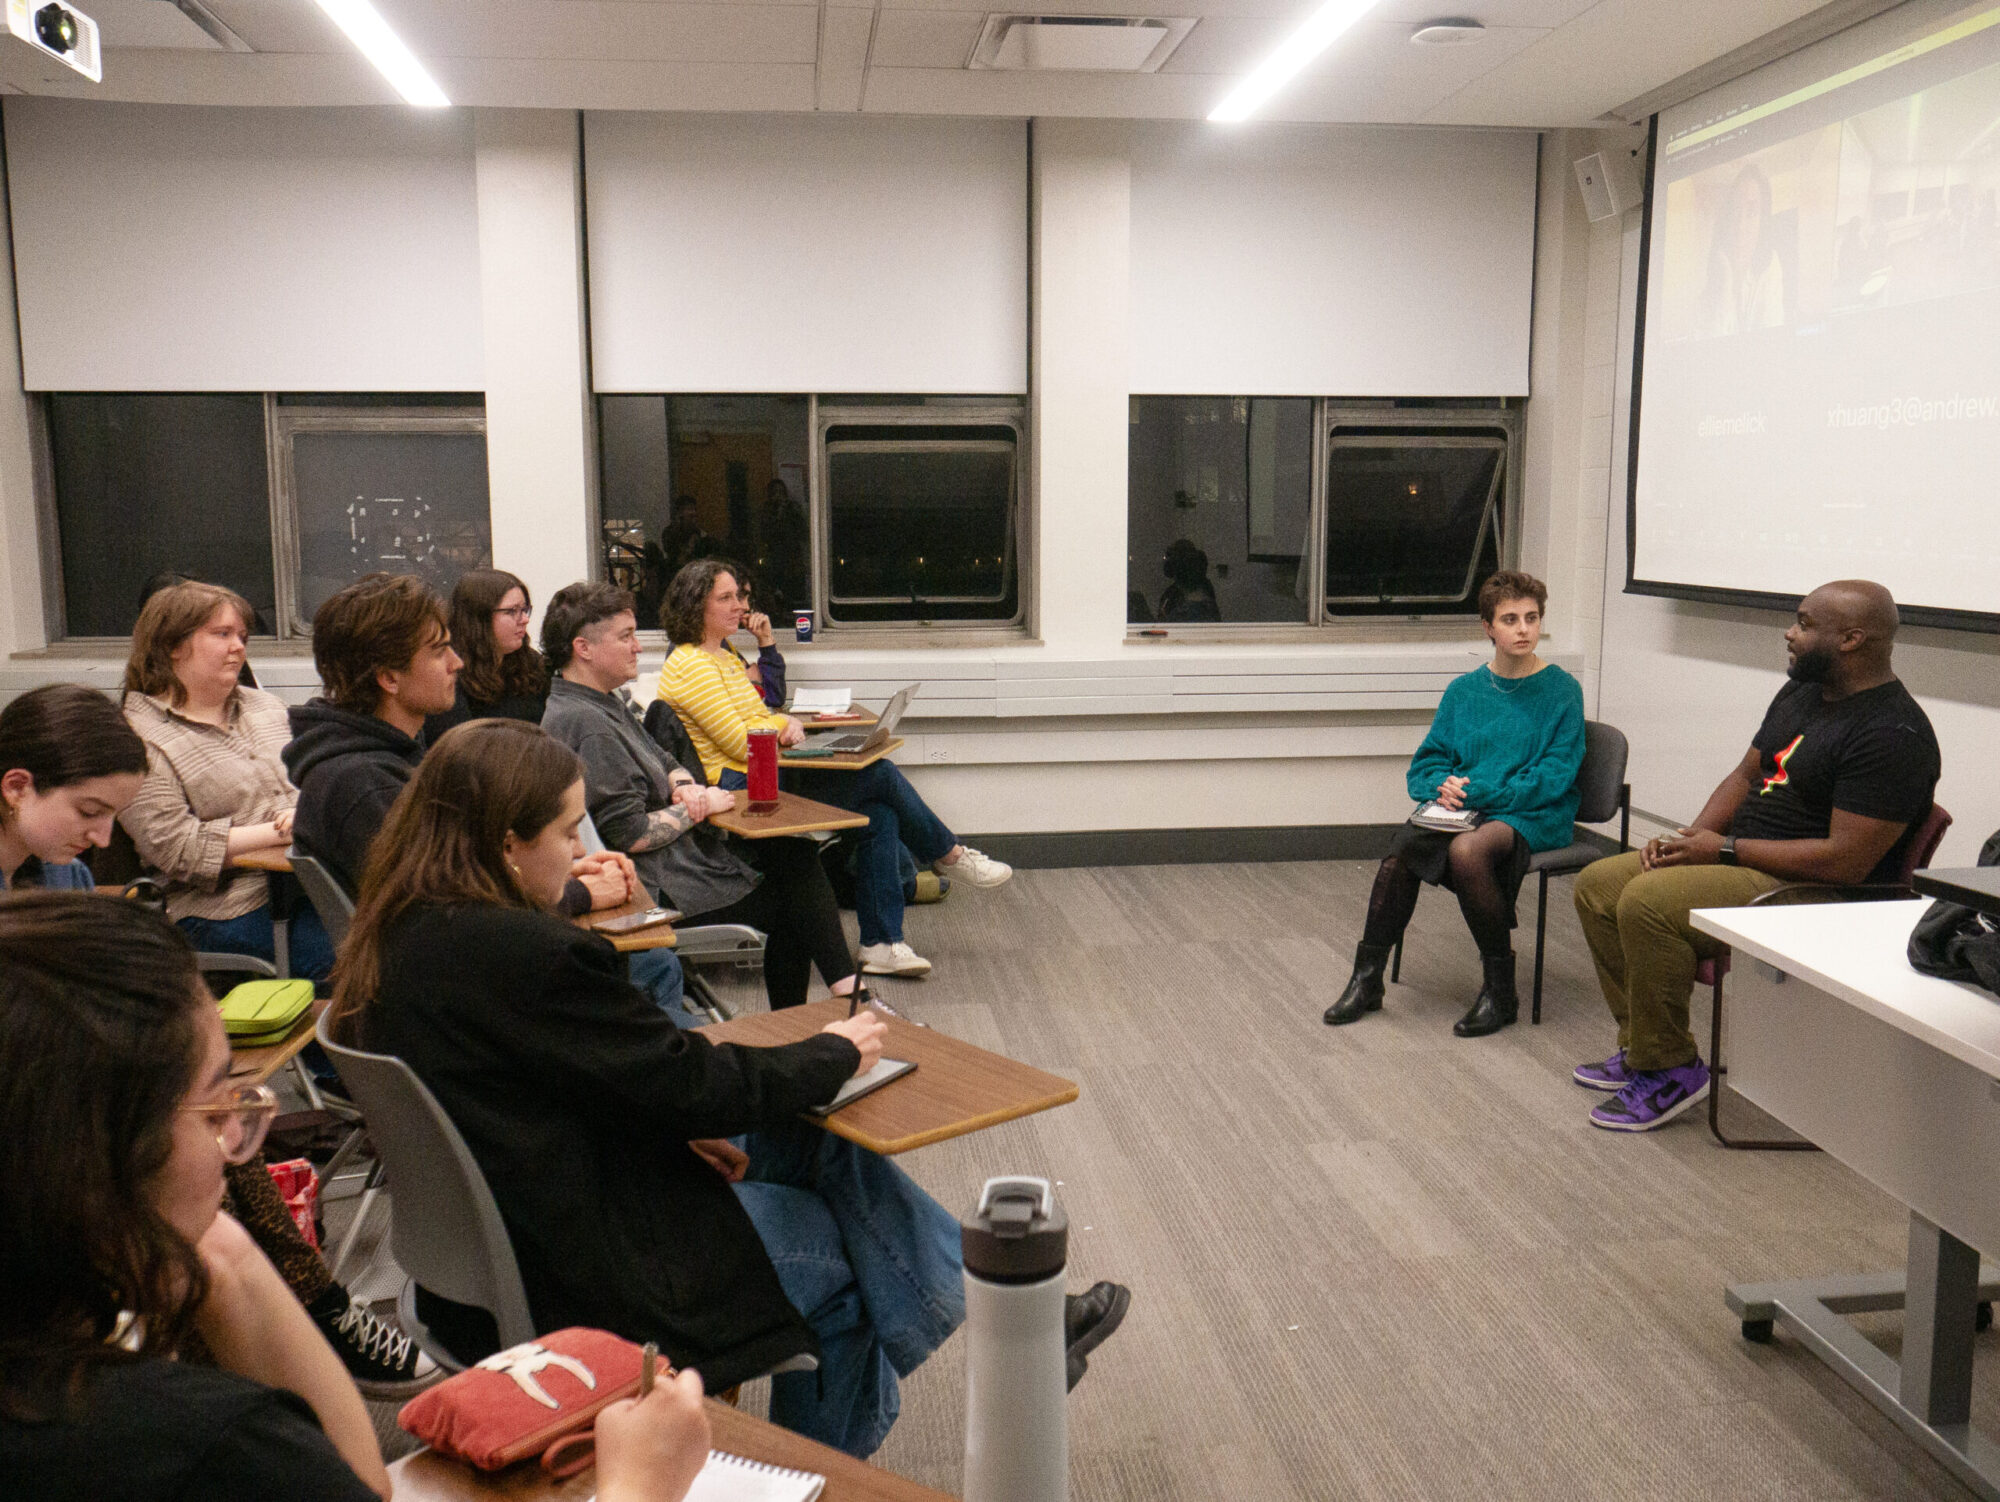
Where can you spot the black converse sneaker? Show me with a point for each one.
(382, 1360)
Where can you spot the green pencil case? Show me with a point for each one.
(263, 1011)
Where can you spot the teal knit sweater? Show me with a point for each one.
(1519, 740)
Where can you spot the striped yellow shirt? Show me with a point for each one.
(717, 703)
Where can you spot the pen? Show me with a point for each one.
(649, 1357)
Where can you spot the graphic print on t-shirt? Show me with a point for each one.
(1780, 777)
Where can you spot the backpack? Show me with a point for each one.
(1955, 942)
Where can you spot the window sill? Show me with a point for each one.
(1376, 631)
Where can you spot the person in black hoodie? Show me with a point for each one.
(601, 1128)
(385, 658)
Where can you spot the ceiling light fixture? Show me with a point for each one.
(393, 59)
(1320, 31)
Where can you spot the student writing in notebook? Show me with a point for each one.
(1505, 746)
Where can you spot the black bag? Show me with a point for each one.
(1955, 942)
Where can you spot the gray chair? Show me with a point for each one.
(704, 944)
(447, 1233)
(328, 897)
(1603, 795)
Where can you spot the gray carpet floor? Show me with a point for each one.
(1381, 1261)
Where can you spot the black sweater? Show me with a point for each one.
(578, 1098)
(348, 769)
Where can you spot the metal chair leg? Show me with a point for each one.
(1541, 932)
(1716, 1072)
(1396, 962)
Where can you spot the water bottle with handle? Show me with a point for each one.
(1016, 1246)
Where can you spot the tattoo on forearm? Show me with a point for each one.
(663, 827)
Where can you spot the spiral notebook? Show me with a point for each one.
(731, 1478)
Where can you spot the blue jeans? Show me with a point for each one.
(311, 949)
(897, 816)
(658, 973)
(869, 1259)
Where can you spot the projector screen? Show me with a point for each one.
(1818, 388)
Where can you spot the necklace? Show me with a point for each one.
(1501, 683)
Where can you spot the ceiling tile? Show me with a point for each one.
(281, 25)
(925, 38)
(613, 30)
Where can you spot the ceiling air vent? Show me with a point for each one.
(1091, 44)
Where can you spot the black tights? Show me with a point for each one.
(795, 908)
(1477, 858)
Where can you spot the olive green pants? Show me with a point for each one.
(1636, 923)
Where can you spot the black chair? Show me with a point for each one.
(1603, 794)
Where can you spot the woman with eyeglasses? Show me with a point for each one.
(504, 677)
(115, 1131)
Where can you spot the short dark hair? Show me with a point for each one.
(1510, 584)
(379, 621)
(573, 611)
(63, 733)
(684, 607)
(99, 1044)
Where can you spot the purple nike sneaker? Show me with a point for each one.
(1654, 1098)
(1611, 1075)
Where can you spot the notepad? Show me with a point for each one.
(822, 700)
(884, 1071)
(731, 1478)
(1448, 820)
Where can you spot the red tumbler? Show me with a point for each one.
(763, 773)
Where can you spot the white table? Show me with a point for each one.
(1897, 1075)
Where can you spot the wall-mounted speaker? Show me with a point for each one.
(1610, 184)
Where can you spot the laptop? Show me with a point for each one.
(861, 742)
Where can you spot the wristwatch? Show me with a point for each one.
(1726, 856)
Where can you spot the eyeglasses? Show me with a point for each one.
(519, 612)
(239, 1120)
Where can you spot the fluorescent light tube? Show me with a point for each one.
(372, 37)
(1290, 58)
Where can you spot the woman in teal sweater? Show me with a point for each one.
(1506, 745)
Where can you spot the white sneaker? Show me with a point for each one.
(893, 959)
(975, 869)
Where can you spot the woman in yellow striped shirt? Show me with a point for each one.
(707, 686)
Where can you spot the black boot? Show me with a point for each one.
(1364, 987)
(1497, 1006)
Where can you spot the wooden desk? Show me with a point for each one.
(255, 1066)
(660, 936)
(1892, 1072)
(793, 815)
(842, 763)
(428, 1477)
(856, 718)
(955, 1089)
(262, 860)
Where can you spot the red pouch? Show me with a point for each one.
(298, 1182)
(540, 1398)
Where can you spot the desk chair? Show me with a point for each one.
(704, 944)
(1603, 795)
(446, 1233)
(1711, 972)
(328, 897)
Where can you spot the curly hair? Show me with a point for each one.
(99, 1045)
(1510, 584)
(684, 610)
(487, 677)
(169, 618)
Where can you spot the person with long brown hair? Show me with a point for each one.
(215, 789)
(68, 764)
(115, 1130)
(504, 677)
(601, 1127)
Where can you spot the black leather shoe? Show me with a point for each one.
(1089, 1318)
(1365, 987)
(1497, 1006)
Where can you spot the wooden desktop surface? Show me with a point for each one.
(254, 1066)
(429, 1477)
(856, 718)
(955, 1089)
(842, 763)
(793, 815)
(659, 936)
(272, 859)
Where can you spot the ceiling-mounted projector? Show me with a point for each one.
(61, 31)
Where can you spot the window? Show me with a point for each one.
(871, 511)
(283, 499)
(1264, 510)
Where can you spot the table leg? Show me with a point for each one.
(1943, 1292)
